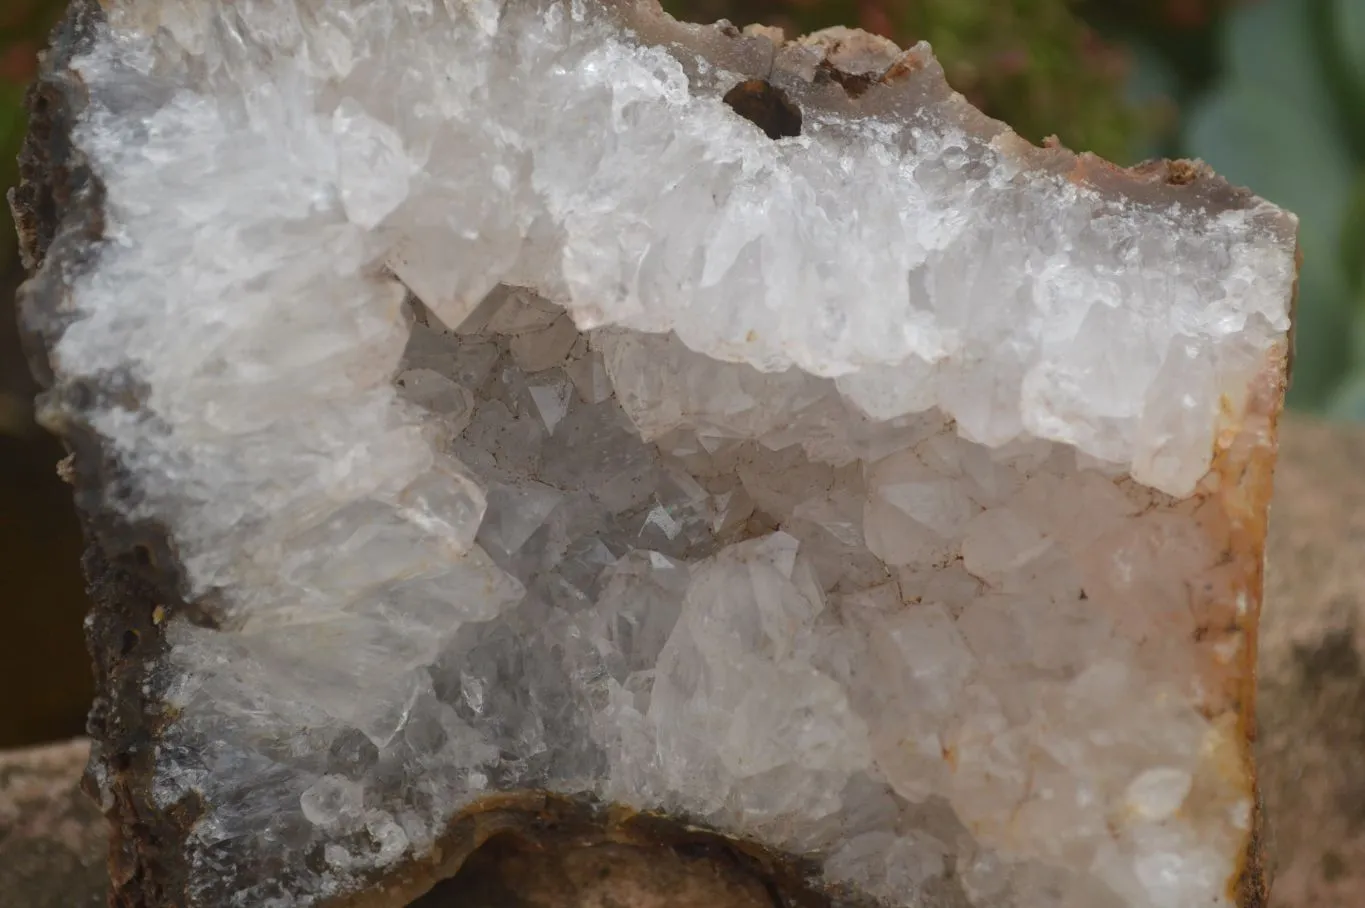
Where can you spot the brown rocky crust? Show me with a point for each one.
(128, 570)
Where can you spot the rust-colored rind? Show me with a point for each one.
(1242, 477)
(1256, 448)
(1252, 889)
(133, 576)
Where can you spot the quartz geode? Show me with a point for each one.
(544, 408)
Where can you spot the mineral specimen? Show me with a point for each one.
(546, 400)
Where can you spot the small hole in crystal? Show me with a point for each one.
(80, 395)
(130, 639)
(766, 106)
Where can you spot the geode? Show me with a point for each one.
(543, 419)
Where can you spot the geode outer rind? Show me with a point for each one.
(134, 576)
(58, 210)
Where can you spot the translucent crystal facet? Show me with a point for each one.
(528, 419)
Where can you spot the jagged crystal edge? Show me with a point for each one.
(919, 264)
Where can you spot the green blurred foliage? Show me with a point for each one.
(1269, 92)
(1031, 62)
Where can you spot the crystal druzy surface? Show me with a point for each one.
(527, 418)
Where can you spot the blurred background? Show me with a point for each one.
(1269, 92)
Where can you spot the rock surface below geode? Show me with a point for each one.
(52, 837)
(494, 404)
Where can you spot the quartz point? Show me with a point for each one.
(518, 419)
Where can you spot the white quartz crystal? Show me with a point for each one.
(529, 419)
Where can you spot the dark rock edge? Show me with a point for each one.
(134, 578)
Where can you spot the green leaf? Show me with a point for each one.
(1348, 24)
(1358, 329)
(1322, 338)
(1352, 250)
(1271, 45)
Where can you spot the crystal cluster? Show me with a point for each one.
(528, 419)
